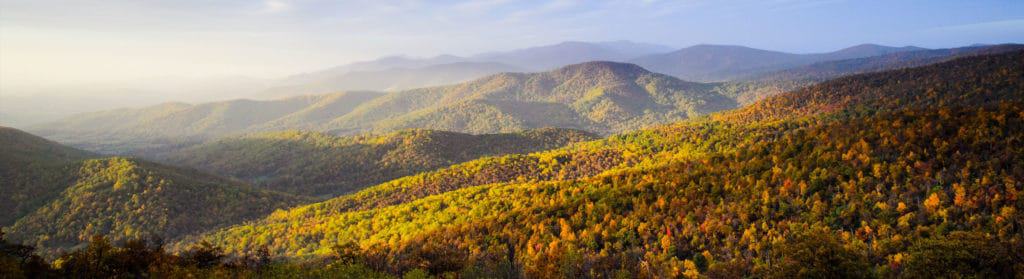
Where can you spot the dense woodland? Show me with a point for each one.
(910, 173)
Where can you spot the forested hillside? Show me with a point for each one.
(124, 198)
(33, 171)
(316, 164)
(899, 173)
(54, 196)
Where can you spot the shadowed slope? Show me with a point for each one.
(33, 171)
(314, 164)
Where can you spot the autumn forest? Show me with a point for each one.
(573, 160)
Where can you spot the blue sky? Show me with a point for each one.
(44, 40)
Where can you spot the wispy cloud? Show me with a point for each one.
(276, 6)
(786, 5)
(548, 8)
(560, 5)
(479, 6)
(1014, 25)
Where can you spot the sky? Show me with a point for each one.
(46, 42)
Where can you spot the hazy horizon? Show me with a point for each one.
(62, 57)
(50, 42)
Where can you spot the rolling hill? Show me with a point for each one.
(872, 170)
(57, 197)
(315, 164)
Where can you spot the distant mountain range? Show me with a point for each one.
(390, 79)
(399, 72)
(703, 63)
(723, 62)
(539, 58)
(544, 58)
(758, 86)
(602, 97)
(831, 68)
(22, 107)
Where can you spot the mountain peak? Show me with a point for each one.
(604, 65)
(881, 47)
(603, 68)
(575, 43)
(867, 45)
(446, 56)
(719, 47)
(867, 50)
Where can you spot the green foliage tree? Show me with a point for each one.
(962, 255)
(818, 253)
